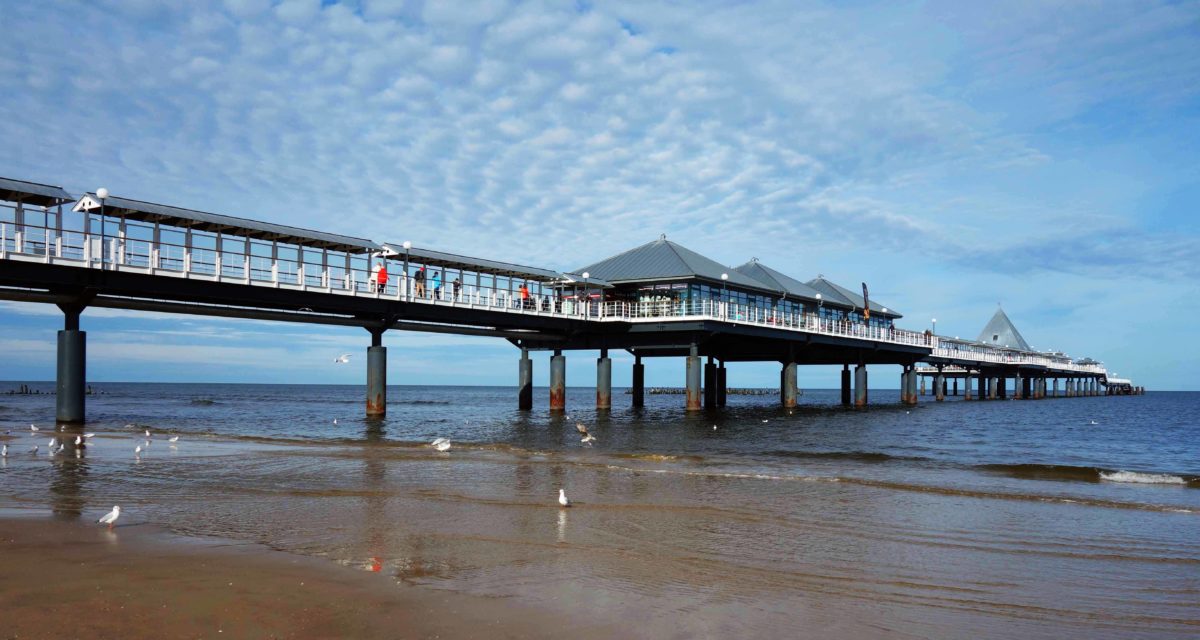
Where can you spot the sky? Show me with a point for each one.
(955, 156)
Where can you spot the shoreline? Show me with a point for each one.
(69, 578)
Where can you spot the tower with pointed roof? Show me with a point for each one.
(1001, 332)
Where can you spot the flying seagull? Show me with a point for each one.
(441, 444)
(342, 359)
(110, 517)
(562, 498)
(587, 437)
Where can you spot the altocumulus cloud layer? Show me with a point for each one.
(981, 147)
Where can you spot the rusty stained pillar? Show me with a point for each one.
(860, 385)
(693, 401)
(376, 375)
(939, 386)
(787, 385)
(558, 381)
(967, 386)
(604, 381)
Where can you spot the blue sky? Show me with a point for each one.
(953, 155)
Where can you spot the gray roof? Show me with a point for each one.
(42, 195)
(1001, 332)
(454, 261)
(663, 260)
(179, 217)
(780, 282)
(832, 290)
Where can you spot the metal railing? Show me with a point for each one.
(341, 276)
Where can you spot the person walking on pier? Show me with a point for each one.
(524, 296)
(419, 280)
(437, 285)
(381, 277)
(457, 285)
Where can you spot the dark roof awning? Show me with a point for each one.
(786, 284)
(42, 195)
(214, 222)
(832, 289)
(663, 261)
(446, 260)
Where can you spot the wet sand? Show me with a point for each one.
(68, 579)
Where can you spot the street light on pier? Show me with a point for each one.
(724, 290)
(407, 244)
(102, 194)
(934, 326)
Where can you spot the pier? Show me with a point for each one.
(657, 300)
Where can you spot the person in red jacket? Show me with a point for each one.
(380, 277)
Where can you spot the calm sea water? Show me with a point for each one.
(1062, 517)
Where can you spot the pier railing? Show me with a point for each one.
(148, 249)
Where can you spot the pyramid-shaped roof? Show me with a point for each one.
(665, 260)
(782, 283)
(1001, 332)
(834, 291)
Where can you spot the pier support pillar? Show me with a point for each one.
(639, 382)
(860, 385)
(993, 388)
(603, 381)
(787, 385)
(955, 386)
(1070, 387)
(983, 387)
(1020, 387)
(722, 390)
(939, 388)
(71, 383)
(1056, 387)
(376, 375)
(558, 381)
(922, 386)
(692, 378)
(1002, 381)
(710, 384)
(525, 382)
(845, 385)
(967, 387)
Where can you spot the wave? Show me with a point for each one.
(1144, 478)
(861, 456)
(1088, 474)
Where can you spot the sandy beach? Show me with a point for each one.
(71, 579)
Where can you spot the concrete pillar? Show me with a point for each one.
(1002, 381)
(1020, 387)
(721, 388)
(558, 381)
(787, 388)
(525, 382)
(71, 382)
(955, 386)
(912, 384)
(922, 386)
(845, 385)
(1056, 387)
(967, 387)
(603, 381)
(1070, 385)
(860, 385)
(639, 382)
(692, 375)
(376, 375)
(939, 388)
(993, 388)
(710, 384)
(983, 386)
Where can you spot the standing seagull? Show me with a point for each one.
(587, 437)
(562, 498)
(137, 451)
(173, 439)
(78, 441)
(33, 428)
(110, 517)
(342, 359)
(4, 452)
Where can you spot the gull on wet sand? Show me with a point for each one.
(137, 451)
(34, 450)
(173, 439)
(110, 517)
(33, 427)
(562, 498)
(4, 452)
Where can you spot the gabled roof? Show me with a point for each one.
(192, 219)
(42, 195)
(663, 260)
(444, 259)
(782, 283)
(832, 290)
(1001, 332)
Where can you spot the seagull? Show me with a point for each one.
(110, 517)
(441, 444)
(79, 441)
(137, 451)
(714, 427)
(33, 427)
(335, 420)
(53, 443)
(342, 359)
(765, 421)
(34, 450)
(173, 439)
(562, 498)
(147, 433)
(587, 437)
(4, 452)
(60, 448)
(1093, 422)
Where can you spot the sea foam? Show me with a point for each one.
(1142, 478)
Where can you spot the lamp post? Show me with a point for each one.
(407, 244)
(587, 298)
(934, 326)
(725, 294)
(102, 194)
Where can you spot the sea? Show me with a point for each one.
(1054, 518)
